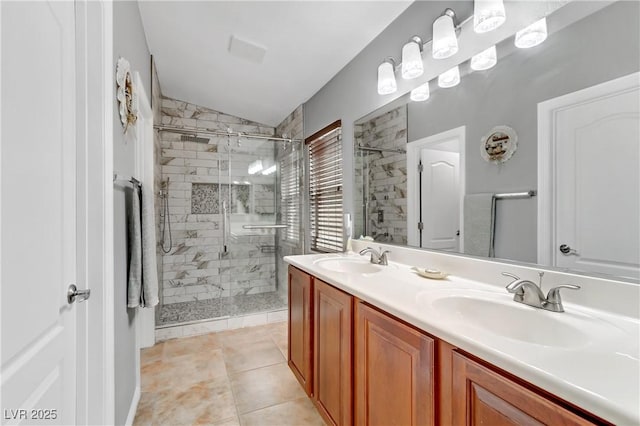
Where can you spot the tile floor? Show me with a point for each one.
(236, 377)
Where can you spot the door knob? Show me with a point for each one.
(74, 294)
(566, 250)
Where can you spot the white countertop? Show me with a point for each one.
(600, 375)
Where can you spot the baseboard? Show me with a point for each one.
(134, 407)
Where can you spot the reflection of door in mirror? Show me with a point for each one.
(435, 187)
(594, 135)
(439, 193)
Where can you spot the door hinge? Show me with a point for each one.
(420, 226)
(420, 167)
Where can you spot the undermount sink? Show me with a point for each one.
(499, 315)
(349, 265)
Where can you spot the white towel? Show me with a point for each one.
(479, 224)
(143, 275)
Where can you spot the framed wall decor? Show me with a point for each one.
(499, 144)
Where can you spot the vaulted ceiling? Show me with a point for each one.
(282, 51)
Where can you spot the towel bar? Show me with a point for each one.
(264, 226)
(514, 195)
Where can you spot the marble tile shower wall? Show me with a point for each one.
(292, 126)
(386, 174)
(197, 268)
(156, 106)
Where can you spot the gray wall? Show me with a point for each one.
(352, 93)
(129, 42)
(571, 59)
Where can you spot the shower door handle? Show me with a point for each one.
(224, 229)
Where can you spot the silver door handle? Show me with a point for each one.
(74, 294)
(566, 250)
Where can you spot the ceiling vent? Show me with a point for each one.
(246, 50)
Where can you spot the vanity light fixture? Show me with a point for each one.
(449, 78)
(532, 35)
(412, 59)
(485, 59)
(488, 15)
(255, 167)
(445, 41)
(386, 77)
(420, 93)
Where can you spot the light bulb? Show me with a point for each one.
(386, 78)
(533, 35)
(255, 167)
(449, 78)
(269, 170)
(420, 93)
(488, 15)
(445, 42)
(412, 59)
(485, 59)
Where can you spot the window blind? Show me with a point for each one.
(290, 196)
(325, 190)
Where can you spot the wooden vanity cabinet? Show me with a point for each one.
(394, 371)
(332, 360)
(363, 366)
(300, 327)
(482, 396)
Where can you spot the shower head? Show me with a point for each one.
(188, 138)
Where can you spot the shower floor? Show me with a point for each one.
(176, 313)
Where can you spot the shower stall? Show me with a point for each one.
(230, 207)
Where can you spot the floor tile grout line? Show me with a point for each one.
(233, 393)
(256, 368)
(275, 405)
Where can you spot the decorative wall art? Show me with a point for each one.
(125, 94)
(499, 144)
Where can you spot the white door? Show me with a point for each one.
(443, 179)
(440, 199)
(38, 219)
(597, 206)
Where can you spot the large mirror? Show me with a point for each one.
(461, 171)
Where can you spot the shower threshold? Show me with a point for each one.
(184, 313)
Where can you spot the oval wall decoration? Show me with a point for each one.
(499, 144)
(125, 94)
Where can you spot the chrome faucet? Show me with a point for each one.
(529, 293)
(376, 257)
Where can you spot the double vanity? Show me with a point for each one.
(379, 344)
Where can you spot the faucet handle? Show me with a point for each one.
(554, 294)
(507, 274)
(554, 301)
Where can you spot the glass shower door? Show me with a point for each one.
(248, 195)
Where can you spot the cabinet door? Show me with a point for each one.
(483, 397)
(300, 327)
(332, 353)
(393, 371)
